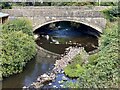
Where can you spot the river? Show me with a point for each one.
(55, 41)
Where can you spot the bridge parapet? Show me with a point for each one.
(44, 15)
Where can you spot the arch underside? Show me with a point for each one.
(98, 29)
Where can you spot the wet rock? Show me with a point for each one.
(48, 56)
(64, 78)
(44, 76)
(61, 85)
(54, 86)
(38, 79)
(50, 84)
(70, 41)
(62, 71)
(60, 81)
(60, 64)
(24, 87)
(62, 55)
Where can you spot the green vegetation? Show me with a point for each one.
(18, 46)
(74, 70)
(102, 69)
(5, 5)
(112, 14)
(8, 5)
(0, 53)
(69, 3)
(22, 24)
(76, 67)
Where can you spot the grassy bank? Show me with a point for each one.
(102, 69)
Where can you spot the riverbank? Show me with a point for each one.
(59, 65)
(102, 69)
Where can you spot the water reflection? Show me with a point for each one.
(57, 43)
(33, 69)
(57, 36)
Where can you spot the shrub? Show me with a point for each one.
(109, 3)
(5, 5)
(22, 24)
(104, 73)
(75, 68)
(93, 58)
(112, 13)
(17, 49)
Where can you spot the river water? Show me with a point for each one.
(55, 41)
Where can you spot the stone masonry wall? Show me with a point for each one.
(46, 14)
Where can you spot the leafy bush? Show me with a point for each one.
(93, 58)
(75, 68)
(17, 49)
(108, 3)
(112, 14)
(18, 46)
(105, 72)
(22, 24)
(5, 5)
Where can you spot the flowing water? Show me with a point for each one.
(40, 64)
(55, 41)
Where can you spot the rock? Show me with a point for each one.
(62, 71)
(48, 56)
(36, 36)
(70, 41)
(24, 87)
(44, 76)
(64, 78)
(50, 84)
(38, 79)
(60, 64)
(60, 81)
(61, 85)
(62, 55)
(57, 43)
(74, 43)
(54, 86)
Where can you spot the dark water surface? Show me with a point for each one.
(57, 41)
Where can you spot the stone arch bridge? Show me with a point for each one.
(43, 15)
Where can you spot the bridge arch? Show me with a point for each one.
(76, 21)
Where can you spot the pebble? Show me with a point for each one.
(24, 87)
(44, 76)
(38, 79)
(61, 85)
(50, 83)
(64, 78)
(48, 56)
(60, 81)
(54, 86)
(62, 71)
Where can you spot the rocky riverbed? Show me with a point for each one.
(59, 65)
